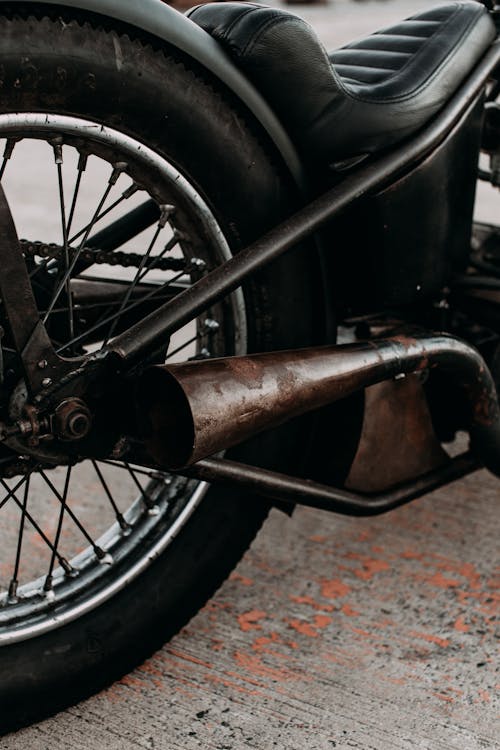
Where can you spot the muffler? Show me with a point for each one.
(193, 410)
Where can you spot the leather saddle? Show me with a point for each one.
(364, 97)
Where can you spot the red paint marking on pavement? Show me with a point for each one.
(310, 601)
(241, 579)
(334, 588)
(443, 697)
(359, 631)
(230, 684)
(364, 536)
(484, 696)
(310, 629)
(460, 625)
(410, 554)
(156, 675)
(347, 610)
(244, 678)
(254, 664)
(115, 694)
(441, 582)
(273, 637)
(387, 623)
(263, 642)
(187, 657)
(321, 621)
(442, 642)
(304, 628)
(134, 683)
(250, 620)
(370, 567)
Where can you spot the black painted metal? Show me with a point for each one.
(126, 228)
(167, 24)
(40, 362)
(295, 491)
(156, 328)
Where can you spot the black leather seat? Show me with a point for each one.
(364, 97)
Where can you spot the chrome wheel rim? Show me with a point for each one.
(162, 504)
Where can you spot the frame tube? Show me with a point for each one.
(153, 331)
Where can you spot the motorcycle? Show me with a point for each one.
(256, 281)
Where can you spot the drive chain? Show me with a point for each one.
(50, 251)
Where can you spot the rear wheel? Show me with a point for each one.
(103, 561)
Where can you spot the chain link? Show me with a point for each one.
(110, 257)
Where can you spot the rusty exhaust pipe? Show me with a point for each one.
(199, 408)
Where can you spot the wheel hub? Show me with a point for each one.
(72, 420)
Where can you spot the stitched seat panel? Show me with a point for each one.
(355, 74)
(364, 97)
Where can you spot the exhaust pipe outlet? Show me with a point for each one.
(195, 409)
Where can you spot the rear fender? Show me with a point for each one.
(160, 20)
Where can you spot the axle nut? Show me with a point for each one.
(72, 419)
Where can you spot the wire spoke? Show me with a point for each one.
(137, 278)
(173, 241)
(99, 216)
(62, 206)
(156, 475)
(185, 345)
(76, 255)
(49, 578)
(14, 581)
(209, 328)
(100, 554)
(119, 517)
(148, 501)
(11, 493)
(120, 313)
(9, 148)
(82, 166)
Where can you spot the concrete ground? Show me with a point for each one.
(332, 633)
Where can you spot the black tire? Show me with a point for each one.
(69, 66)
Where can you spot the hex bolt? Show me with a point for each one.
(197, 264)
(210, 325)
(46, 382)
(72, 420)
(43, 364)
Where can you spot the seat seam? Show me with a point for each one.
(358, 97)
(424, 84)
(400, 97)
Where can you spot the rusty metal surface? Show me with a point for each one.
(397, 438)
(196, 409)
(291, 490)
